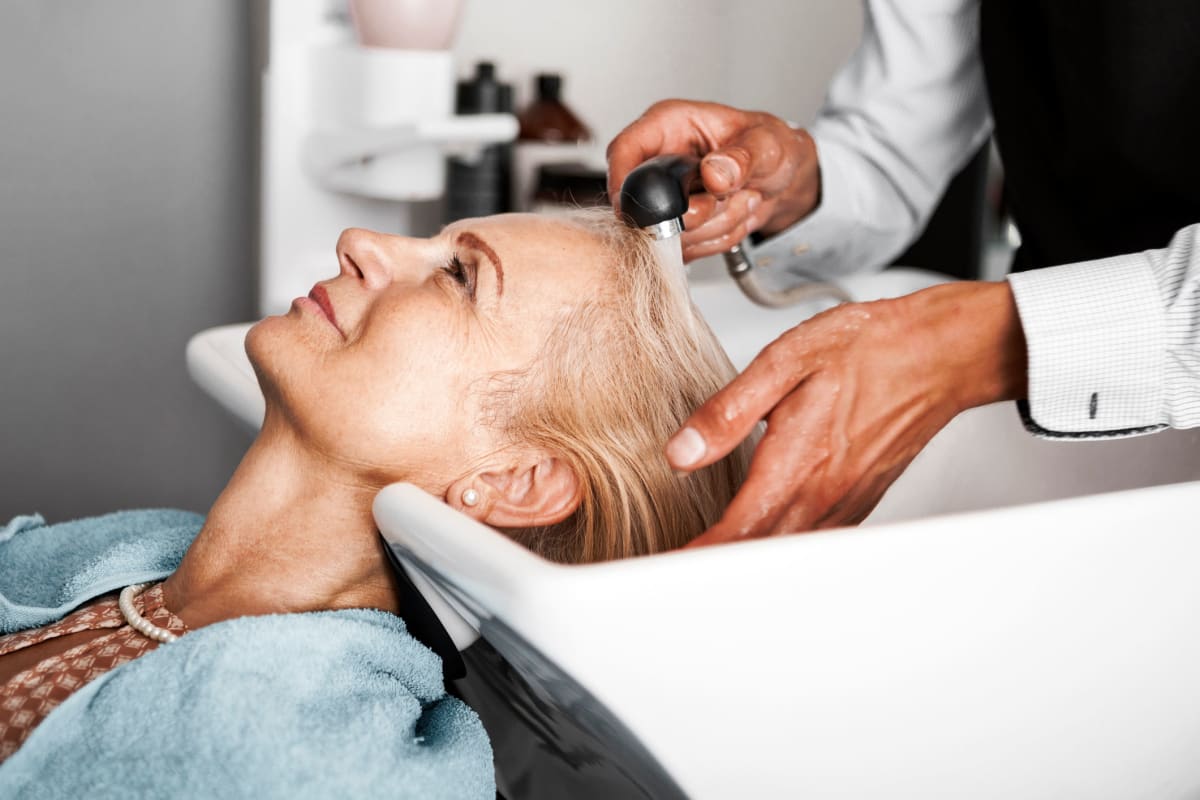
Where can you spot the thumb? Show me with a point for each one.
(724, 171)
(729, 416)
(713, 430)
(760, 157)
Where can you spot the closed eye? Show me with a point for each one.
(463, 276)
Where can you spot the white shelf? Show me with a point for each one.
(351, 137)
(394, 162)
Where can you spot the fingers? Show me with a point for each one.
(732, 221)
(775, 485)
(701, 208)
(801, 514)
(729, 416)
(751, 176)
(784, 482)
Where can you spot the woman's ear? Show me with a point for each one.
(529, 493)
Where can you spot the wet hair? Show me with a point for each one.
(617, 377)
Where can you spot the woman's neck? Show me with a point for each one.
(290, 532)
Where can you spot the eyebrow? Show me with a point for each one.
(468, 239)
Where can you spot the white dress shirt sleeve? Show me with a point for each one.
(1114, 344)
(901, 119)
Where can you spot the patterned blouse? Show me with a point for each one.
(29, 696)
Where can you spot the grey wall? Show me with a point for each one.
(126, 225)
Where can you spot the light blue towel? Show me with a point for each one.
(327, 704)
(48, 570)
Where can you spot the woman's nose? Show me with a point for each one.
(364, 255)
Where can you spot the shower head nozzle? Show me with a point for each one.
(654, 195)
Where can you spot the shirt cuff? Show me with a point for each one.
(1094, 333)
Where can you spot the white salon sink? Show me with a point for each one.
(217, 362)
(969, 641)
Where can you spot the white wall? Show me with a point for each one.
(619, 56)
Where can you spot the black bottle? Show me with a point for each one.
(482, 187)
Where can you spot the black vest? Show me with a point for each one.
(1097, 118)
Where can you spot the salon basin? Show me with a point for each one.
(1038, 651)
(1018, 618)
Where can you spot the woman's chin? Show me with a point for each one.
(257, 339)
(264, 342)
(281, 356)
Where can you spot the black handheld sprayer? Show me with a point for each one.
(654, 197)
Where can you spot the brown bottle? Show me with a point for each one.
(547, 119)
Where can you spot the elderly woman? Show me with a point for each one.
(524, 369)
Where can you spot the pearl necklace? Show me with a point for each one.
(136, 620)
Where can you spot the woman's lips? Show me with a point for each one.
(321, 297)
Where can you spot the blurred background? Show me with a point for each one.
(129, 135)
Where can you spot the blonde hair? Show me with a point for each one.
(617, 378)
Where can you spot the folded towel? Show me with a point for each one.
(47, 570)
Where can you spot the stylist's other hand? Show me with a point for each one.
(759, 174)
(850, 397)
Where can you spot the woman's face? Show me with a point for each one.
(385, 368)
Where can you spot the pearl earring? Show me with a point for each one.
(470, 497)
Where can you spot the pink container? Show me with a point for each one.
(406, 24)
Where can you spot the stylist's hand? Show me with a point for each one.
(850, 397)
(758, 173)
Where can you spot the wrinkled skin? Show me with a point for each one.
(760, 175)
(850, 397)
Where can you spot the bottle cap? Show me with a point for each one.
(549, 85)
(483, 94)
